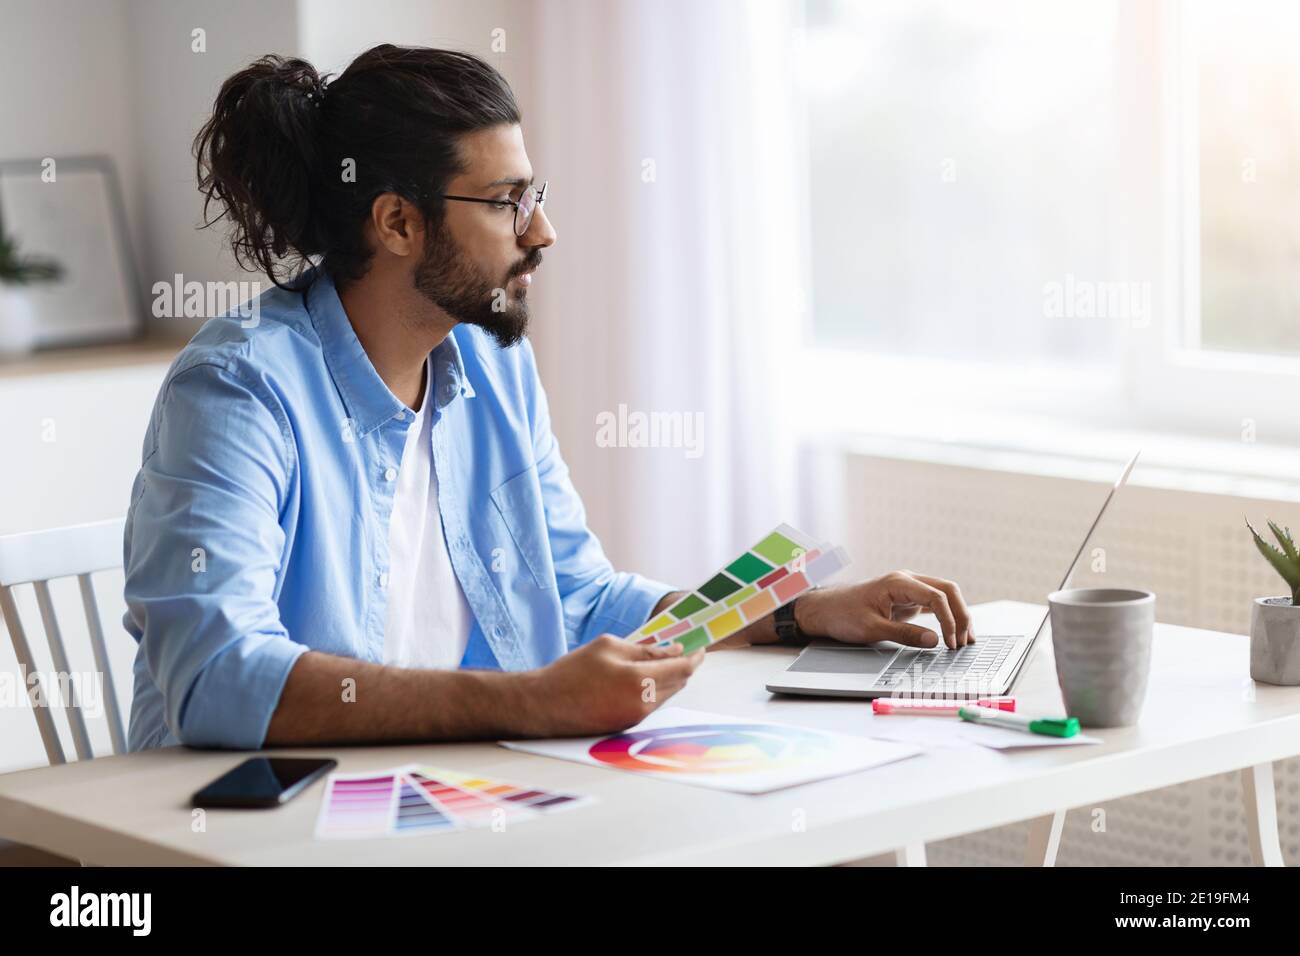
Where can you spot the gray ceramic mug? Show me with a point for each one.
(1102, 641)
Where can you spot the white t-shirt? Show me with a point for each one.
(428, 620)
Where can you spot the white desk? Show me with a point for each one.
(1200, 719)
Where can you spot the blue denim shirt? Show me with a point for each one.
(258, 524)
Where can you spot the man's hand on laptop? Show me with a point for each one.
(605, 686)
(879, 609)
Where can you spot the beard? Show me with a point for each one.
(449, 280)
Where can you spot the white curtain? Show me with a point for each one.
(670, 134)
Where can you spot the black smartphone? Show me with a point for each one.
(264, 782)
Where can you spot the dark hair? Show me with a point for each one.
(272, 156)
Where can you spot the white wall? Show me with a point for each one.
(65, 84)
(171, 94)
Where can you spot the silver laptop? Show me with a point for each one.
(988, 667)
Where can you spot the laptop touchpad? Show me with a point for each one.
(843, 660)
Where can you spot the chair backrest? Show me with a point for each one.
(37, 558)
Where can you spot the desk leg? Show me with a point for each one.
(1261, 815)
(911, 855)
(1044, 839)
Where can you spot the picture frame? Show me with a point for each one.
(78, 220)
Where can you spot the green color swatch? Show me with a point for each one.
(740, 596)
(718, 587)
(777, 548)
(748, 568)
(692, 640)
(688, 606)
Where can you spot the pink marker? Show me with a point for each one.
(939, 706)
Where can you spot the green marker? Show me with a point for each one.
(1050, 726)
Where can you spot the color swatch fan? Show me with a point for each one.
(776, 570)
(413, 800)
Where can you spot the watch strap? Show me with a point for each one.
(787, 628)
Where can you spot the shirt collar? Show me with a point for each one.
(449, 372)
(369, 402)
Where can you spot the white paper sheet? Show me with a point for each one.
(743, 755)
(942, 732)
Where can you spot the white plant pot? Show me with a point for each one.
(1275, 641)
(18, 332)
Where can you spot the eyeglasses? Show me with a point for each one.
(525, 206)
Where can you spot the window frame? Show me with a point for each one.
(1216, 391)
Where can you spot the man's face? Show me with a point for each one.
(474, 267)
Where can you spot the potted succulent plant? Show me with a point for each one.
(1275, 621)
(18, 332)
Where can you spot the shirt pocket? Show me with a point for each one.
(519, 502)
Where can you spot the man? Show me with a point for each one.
(352, 521)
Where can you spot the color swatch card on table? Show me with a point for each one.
(456, 789)
(413, 800)
(723, 753)
(358, 805)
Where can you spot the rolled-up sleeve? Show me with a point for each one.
(596, 598)
(204, 546)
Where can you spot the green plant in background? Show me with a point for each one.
(15, 270)
(1286, 561)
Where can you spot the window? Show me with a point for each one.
(1076, 209)
(1244, 95)
(961, 163)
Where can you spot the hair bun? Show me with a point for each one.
(258, 159)
(296, 74)
(317, 92)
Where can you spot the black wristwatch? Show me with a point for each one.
(787, 629)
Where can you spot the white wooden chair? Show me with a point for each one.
(37, 558)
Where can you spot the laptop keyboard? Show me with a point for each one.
(919, 669)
